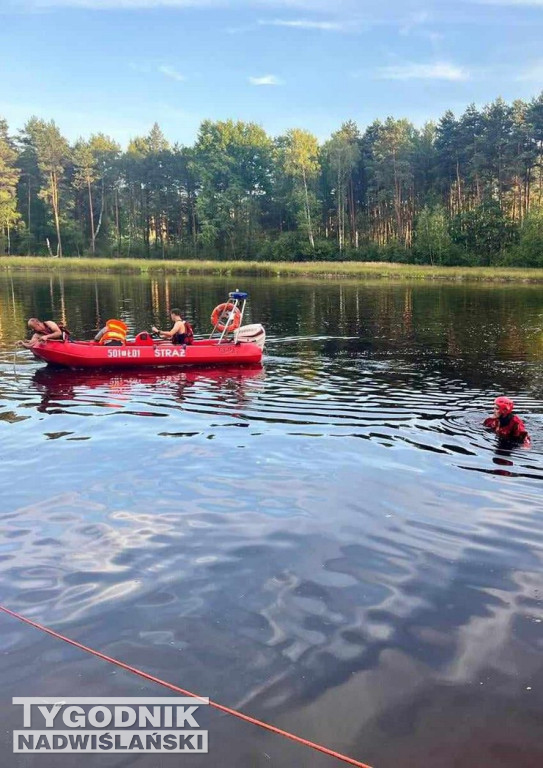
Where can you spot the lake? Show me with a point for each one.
(331, 543)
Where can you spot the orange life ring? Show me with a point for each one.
(220, 315)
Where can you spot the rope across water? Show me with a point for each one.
(177, 689)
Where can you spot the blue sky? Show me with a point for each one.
(119, 65)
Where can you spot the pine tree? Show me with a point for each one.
(52, 153)
(9, 177)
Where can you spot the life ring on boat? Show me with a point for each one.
(220, 315)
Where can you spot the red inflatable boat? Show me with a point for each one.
(234, 346)
(144, 351)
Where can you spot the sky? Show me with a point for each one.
(117, 66)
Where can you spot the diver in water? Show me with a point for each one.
(506, 424)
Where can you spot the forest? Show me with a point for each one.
(467, 190)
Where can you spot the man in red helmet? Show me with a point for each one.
(505, 423)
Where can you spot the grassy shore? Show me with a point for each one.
(329, 270)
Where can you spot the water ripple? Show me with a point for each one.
(333, 531)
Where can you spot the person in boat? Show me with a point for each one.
(113, 334)
(44, 330)
(506, 424)
(178, 334)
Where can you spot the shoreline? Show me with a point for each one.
(323, 270)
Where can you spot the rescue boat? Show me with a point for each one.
(230, 343)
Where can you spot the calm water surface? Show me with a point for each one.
(330, 543)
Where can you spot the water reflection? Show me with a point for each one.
(117, 389)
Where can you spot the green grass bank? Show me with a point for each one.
(322, 269)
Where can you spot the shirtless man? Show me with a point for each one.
(46, 330)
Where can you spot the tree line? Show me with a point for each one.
(467, 190)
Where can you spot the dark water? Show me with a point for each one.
(330, 543)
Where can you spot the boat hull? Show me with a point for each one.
(92, 355)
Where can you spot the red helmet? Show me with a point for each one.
(504, 405)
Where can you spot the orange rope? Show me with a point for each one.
(177, 689)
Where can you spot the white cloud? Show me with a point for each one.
(265, 80)
(168, 71)
(410, 71)
(325, 26)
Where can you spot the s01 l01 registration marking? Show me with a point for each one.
(121, 352)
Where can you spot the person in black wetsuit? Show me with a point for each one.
(178, 334)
